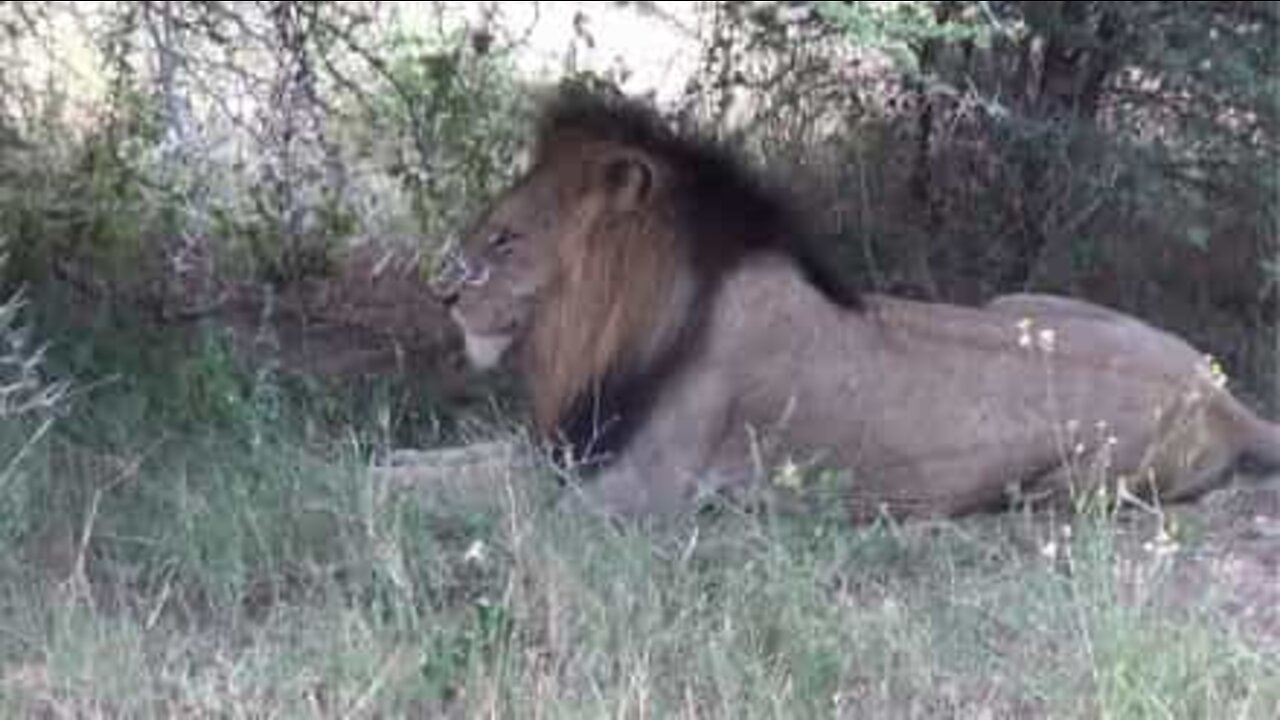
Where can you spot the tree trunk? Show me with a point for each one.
(1077, 56)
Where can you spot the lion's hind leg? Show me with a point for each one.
(1179, 464)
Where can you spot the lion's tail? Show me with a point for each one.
(1260, 438)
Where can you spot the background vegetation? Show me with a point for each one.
(215, 218)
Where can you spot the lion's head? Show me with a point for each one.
(592, 271)
(492, 280)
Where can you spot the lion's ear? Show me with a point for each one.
(628, 179)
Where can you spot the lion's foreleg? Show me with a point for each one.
(672, 460)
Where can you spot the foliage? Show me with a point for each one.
(267, 135)
(30, 401)
(446, 126)
(902, 29)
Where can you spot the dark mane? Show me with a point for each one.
(731, 210)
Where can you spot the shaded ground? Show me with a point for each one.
(370, 314)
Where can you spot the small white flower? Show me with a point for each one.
(1162, 546)
(1050, 550)
(1024, 332)
(789, 475)
(476, 553)
(1046, 339)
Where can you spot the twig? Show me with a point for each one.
(389, 668)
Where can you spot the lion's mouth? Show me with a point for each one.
(486, 351)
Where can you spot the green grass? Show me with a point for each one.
(152, 568)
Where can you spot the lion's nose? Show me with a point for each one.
(443, 292)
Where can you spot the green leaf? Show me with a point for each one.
(1198, 236)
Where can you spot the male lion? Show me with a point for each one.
(677, 337)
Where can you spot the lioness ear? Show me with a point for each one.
(628, 178)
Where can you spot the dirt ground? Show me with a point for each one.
(1237, 555)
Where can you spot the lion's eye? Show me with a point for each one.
(501, 239)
